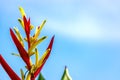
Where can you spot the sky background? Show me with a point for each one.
(87, 37)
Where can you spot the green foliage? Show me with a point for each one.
(66, 75)
(41, 77)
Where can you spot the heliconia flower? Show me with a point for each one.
(27, 29)
(66, 75)
(23, 53)
(33, 41)
(44, 58)
(8, 69)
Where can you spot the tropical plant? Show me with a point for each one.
(33, 69)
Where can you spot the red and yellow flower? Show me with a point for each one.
(33, 68)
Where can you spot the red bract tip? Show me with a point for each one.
(49, 47)
(51, 43)
(22, 51)
(27, 29)
(8, 69)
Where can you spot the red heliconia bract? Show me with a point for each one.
(8, 69)
(49, 47)
(27, 29)
(23, 53)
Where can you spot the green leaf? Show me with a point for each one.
(66, 75)
(22, 74)
(41, 77)
(15, 54)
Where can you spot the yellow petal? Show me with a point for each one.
(36, 43)
(38, 30)
(21, 22)
(22, 11)
(22, 74)
(42, 59)
(19, 35)
(36, 56)
(31, 62)
(28, 76)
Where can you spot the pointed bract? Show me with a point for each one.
(66, 75)
(22, 51)
(36, 56)
(38, 30)
(42, 59)
(22, 11)
(22, 74)
(27, 29)
(19, 36)
(45, 57)
(8, 69)
(21, 22)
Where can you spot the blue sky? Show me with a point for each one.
(87, 36)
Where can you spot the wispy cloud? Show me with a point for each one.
(88, 25)
(87, 29)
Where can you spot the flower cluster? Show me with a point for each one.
(32, 41)
(33, 69)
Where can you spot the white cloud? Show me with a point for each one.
(87, 29)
